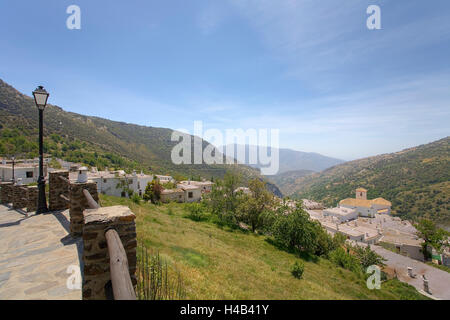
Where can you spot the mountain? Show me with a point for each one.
(286, 181)
(95, 141)
(292, 160)
(415, 180)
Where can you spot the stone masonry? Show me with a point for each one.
(6, 192)
(33, 195)
(19, 196)
(57, 187)
(78, 203)
(95, 254)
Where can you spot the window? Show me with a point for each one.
(190, 195)
(29, 174)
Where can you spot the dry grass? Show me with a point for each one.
(217, 263)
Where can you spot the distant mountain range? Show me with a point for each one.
(415, 180)
(291, 160)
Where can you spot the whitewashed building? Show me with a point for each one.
(341, 213)
(28, 172)
(205, 186)
(364, 207)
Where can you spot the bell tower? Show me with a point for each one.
(361, 193)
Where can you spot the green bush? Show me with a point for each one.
(135, 198)
(196, 212)
(343, 259)
(297, 269)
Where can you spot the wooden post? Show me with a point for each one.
(118, 263)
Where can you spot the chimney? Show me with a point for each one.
(82, 175)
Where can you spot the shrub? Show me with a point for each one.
(196, 212)
(155, 279)
(343, 259)
(297, 269)
(135, 198)
(296, 231)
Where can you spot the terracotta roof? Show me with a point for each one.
(364, 203)
(381, 201)
(356, 202)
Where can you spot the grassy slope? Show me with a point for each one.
(223, 264)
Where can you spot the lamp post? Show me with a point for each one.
(40, 98)
(13, 161)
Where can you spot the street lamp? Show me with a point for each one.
(40, 98)
(13, 158)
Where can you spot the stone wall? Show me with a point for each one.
(78, 203)
(57, 187)
(95, 254)
(19, 196)
(6, 192)
(33, 195)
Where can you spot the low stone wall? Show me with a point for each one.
(57, 187)
(78, 203)
(19, 196)
(33, 195)
(95, 254)
(6, 192)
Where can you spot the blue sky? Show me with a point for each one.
(310, 68)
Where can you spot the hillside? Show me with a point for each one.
(287, 180)
(292, 160)
(94, 141)
(219, 263)
(415, 180)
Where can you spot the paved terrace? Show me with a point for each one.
(35, 252)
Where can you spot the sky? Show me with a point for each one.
(311, 69)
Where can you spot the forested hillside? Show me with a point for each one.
(94, 141)
(415, 180)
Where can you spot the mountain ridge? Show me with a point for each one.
(103, 142)
(416, 180)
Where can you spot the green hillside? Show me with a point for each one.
(92, 140)
(222, 263)
(287, 180)
(415, 180)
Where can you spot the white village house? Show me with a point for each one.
(114, 183)
(27, 171)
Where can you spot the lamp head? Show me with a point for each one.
(40, 97)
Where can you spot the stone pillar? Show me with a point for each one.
(33, 195)
(5, 192)
(410, 272)
(95, 253)
(19, 196)
(426, 287)
(57, 187)
(78, 204)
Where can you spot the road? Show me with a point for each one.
(438, 280)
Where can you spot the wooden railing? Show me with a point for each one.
(118, 263)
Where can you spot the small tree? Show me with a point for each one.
(253, 206)
(432, 236)
(297, 269)
(296, 231)
(153, 191)
(368, 257)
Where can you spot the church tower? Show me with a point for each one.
(361, 193)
